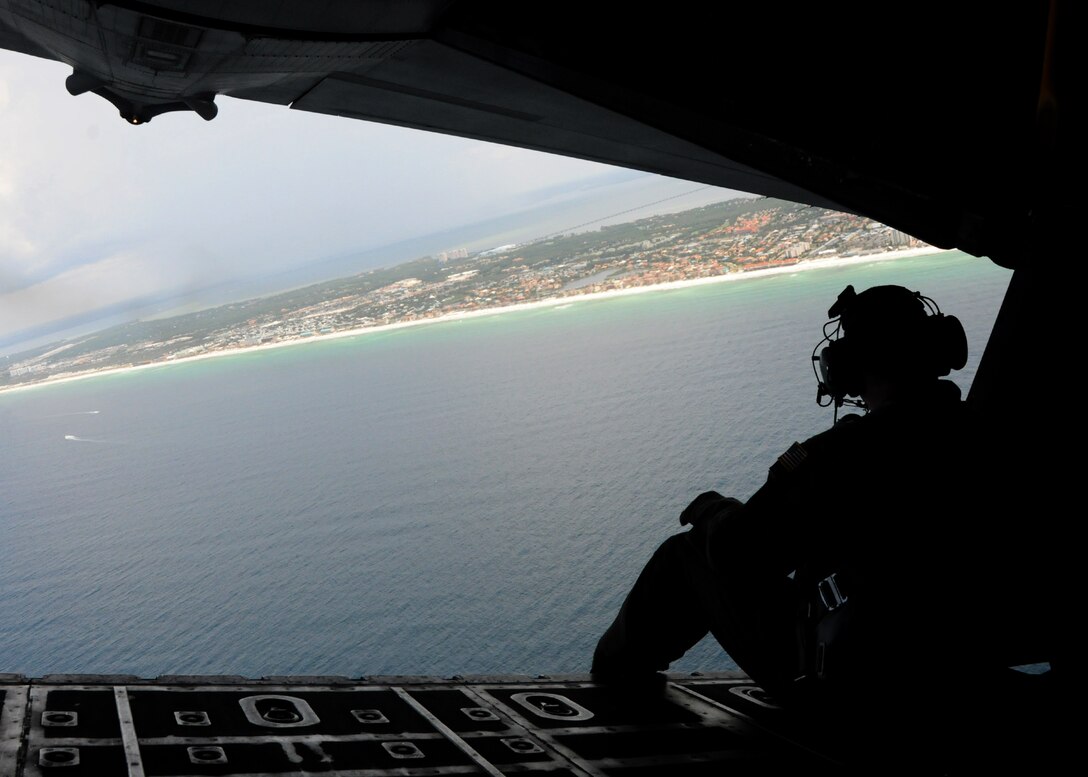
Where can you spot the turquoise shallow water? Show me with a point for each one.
(464, 497)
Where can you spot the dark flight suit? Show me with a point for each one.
(897, 512)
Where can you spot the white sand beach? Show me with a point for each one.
(803, 266)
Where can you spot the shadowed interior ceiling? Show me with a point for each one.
(941, 120)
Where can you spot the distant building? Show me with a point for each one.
(798, 248)
(456, 253)
(898, 238)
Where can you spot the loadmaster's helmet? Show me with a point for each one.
(889, 331)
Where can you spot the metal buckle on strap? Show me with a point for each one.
(830, 593)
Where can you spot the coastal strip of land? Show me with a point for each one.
(551, 302)
(733, 239)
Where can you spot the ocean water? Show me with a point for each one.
(456, 498)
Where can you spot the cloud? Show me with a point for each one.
(125, 278)
(15, 247)
(86, 199)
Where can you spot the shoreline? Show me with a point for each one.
(550, 302)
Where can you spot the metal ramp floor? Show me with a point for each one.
(189, 726)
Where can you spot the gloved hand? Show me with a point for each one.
(706, 504)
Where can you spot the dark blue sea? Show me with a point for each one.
(455, 498)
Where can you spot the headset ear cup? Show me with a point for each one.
(948, 344)
(850, 366)
(838, 363)
(827, 372)
(958, 340)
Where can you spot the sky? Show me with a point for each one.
(101, 220)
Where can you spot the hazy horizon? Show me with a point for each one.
(103, 223)
(526, 226)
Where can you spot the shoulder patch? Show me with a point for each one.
(789, 461)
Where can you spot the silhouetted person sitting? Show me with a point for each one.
(868, 558)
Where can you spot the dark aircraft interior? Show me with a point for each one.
(957, 123)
